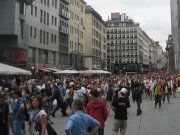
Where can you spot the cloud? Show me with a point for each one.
(153, 15)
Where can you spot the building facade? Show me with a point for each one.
(34, 35)
(76, 34)
(153, 55)
(170, 54)
(175, 26)
(64, 32)
(95, 43)
(127, 45)
(42, 21)
(13, 33)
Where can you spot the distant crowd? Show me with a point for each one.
(87, 100)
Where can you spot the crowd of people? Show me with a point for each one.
(89, 99)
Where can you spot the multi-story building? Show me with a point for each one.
(159, 56)
(128, 45)
(64, 32)
(153, 54)
(170, 54)
(35, 34)
(13, 33)
(95, 43)
(42, 22)
(76, 34)
(175, 25)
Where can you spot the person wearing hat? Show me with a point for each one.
(119, 106)
(4, 112)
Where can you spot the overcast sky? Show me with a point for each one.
(153, 15)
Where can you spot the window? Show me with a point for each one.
(30, 31)
(48, 3)
(44, 17)
(55, 21)
(52, 20)
(31, 9)
(44, 2)
(55, 39)
(44, 37)
(48, 19)
(47, 38)
(55, 3)
(41, 16)
(34, 32)
(40, 36)
(35, 11)
(51, 38)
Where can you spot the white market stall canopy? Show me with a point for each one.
(67, 72)
(10, 70)
(94, 72)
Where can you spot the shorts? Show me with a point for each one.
(120, 124)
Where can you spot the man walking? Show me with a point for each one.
(119, 106)
(79, 123)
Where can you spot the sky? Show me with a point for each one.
(153, 15)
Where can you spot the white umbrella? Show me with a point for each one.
(53, 69)
(67, 72)
(95, 72)
(10, 70)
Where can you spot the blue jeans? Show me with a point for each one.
(17, 125)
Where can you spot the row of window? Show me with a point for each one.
(74, 30)
(43, 36)
(76, 17)
(97, 25)
(74, 46)
(96, 52)
(121, 36)
(116, 49)
(64, 10)
(96, 61)
(120, 42)
(122, 30)
(79, 7)
(125, 60)
(47, 3)
(45, 17)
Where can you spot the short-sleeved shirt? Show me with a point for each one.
(120, 105)
(36, 118)
(79, 123)
(21, 115)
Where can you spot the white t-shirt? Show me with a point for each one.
(37, 118)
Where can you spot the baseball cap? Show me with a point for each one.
(123, 90)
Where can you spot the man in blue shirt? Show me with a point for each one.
(18, 113)
(79, 123)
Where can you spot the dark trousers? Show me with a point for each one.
(157, 100)
(4, 130)
(139, 111)
(101, 131)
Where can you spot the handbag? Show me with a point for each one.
(49, 128)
